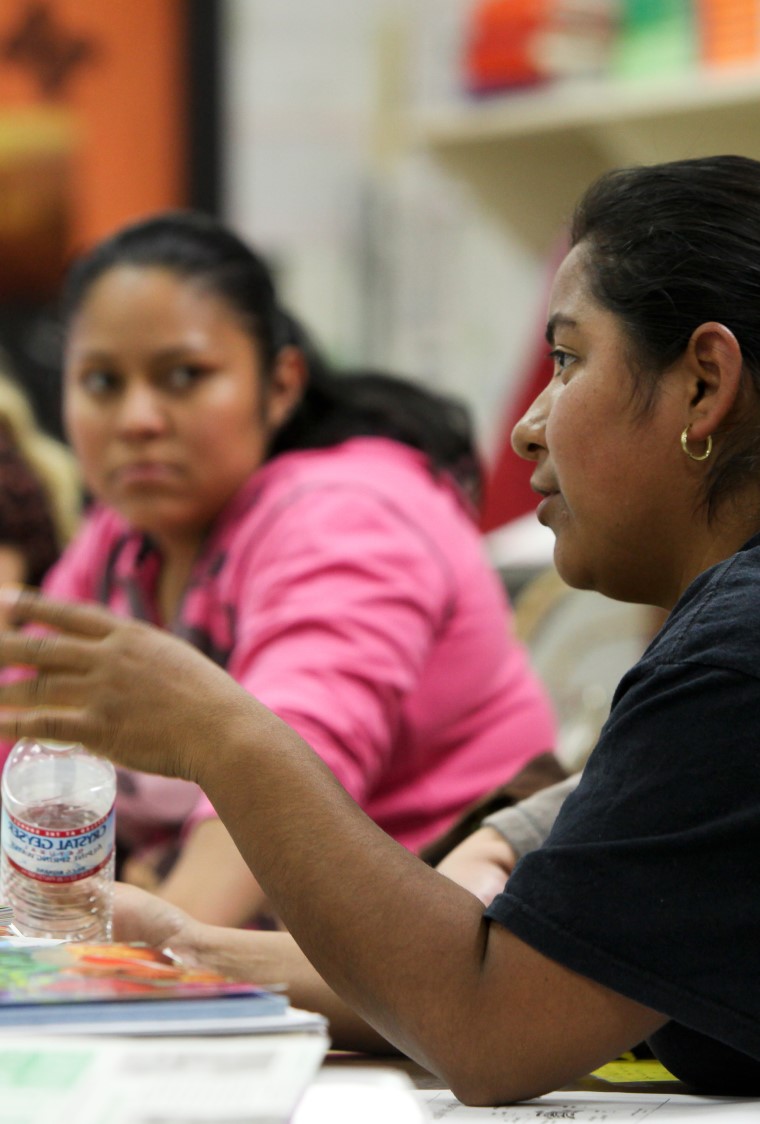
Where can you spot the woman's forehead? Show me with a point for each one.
(570, 289)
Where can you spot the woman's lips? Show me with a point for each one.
(542, 511)
(145, 472)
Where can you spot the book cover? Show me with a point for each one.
(129, 989)
(72, 972)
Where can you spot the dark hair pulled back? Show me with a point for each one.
(672, 246)
(335, 406)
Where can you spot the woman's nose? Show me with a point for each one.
(141, 411)
(529, 435)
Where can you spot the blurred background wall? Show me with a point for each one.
(388, 258)
(407, 165)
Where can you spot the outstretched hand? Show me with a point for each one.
(126, 690)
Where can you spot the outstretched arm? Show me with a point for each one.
(406, 948)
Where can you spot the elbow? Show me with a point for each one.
(484, 1082)
(493, 1090)
(481, 1091)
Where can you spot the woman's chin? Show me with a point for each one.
(573, 570)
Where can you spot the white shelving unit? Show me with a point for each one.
(529, 155)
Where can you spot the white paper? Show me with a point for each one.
(594, 1108)
(360, 1095)
(236, 1080)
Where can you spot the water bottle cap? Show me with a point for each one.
(51, 743)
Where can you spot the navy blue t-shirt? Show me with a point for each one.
(649, 882)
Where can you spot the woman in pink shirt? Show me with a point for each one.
(312, 533)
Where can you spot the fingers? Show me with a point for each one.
(50, 652)
(45, 705)
(23, 605)
(55, 724)
(43, 690)
(141, 916)
(70, 649)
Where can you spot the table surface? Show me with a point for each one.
(423, 1079)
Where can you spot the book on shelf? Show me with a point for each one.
(82, 988)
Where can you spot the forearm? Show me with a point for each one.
(210, 879)
(405, 947)
(265, 958)
(275, 958)
(296, 827)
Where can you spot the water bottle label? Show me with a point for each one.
(58, 856)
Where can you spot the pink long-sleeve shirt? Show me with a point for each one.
(346, 589)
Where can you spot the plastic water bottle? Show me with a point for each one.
(57, 841)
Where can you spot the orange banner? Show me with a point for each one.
(92, 127)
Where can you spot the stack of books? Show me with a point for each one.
(126, 1033)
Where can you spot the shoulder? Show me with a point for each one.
(682, 728)
(368, 507)
(697, 686)
(361, 482)
(376, 464)
(717, 621)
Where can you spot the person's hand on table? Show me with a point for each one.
(139, 916)
(264, 958)
(481, 863)
(142, 917)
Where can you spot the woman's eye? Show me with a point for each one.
(99, 382)
(183, 376)
(561, 359)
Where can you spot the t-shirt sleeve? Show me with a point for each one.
(648, 881)
(337, 616)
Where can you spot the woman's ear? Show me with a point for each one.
(714, 370)
(286, 386)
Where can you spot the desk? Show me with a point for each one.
(418, 1098)
(422, 1078)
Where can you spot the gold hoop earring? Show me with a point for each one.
(687, 450)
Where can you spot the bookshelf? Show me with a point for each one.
(528, 155)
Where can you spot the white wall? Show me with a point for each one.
(383, 257)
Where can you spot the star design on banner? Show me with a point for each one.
(43, 45)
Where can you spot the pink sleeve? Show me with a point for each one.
(336, 618)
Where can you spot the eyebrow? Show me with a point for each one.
(172, 351)
(558, 320)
